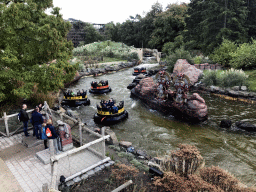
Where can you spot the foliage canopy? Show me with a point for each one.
(29, 39)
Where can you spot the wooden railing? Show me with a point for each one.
(5, 118)
(56, 158)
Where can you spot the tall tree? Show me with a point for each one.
(210, 21)
(251, 21)
(29, 39)
(147, 24)
(168, 25)
(90, 34)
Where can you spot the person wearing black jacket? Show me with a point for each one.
(23, 115)
(37, 121)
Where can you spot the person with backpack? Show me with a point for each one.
(23, 116)
(51, 134)
(44, 136)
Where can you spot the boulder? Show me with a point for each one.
(113, 139)
(197, 106)
(235, 88)
(214, 88)
(246, 126)
(125, 144)
(182, 66)
(146, 87)
(225, 123)
(109, 68)
(131, 85)
(141, 153)
(243, 88)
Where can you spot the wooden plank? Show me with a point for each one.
(103, 142)
(3, 134)
(16, 114)
(12, 133)
(75, 150)
(6, 124)
(80, 134)
(90, 131)
(88, 169)
(123, 186)
(54, 175)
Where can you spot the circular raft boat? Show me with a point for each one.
(137, 71)
(75, 99)
(99, 88)
(107, 114)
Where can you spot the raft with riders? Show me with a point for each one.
(137, 71)
(109, 112)
(74, 99)
(100, 87)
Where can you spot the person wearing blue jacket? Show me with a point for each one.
(37, 121)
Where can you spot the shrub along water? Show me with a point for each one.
(227, 78)
(108, 49)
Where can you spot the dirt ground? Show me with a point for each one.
(105, 181)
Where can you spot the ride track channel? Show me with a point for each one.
(232, 149)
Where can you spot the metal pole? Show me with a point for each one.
(6, 124)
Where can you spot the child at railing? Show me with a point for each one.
(44, 136)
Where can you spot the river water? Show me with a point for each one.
(232, 150)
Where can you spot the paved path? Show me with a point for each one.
(22, 170)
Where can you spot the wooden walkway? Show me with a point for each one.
(30, 173)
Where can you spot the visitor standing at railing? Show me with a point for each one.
(37, 120)
(52, 134)
(23, 116)
(44, 136)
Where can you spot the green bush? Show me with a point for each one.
(132, 56)
(210, 78)
(233, 77)
(245, 56)
(197, 60)
(228, 78)
(178, 54)
(223, 54)
(251, 80)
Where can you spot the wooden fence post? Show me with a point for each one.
(103, 142)
(80, 133)
(45, 188)
(54, 174)
(51, 147)
(6, 124)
